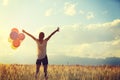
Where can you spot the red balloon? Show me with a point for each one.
(15, 30)
(13, 35)
(21, 36)
(16, 43)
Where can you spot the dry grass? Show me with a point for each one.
(60, 72)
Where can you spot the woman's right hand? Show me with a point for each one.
(57, 29)
(23, 31)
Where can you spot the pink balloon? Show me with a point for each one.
(21, 36)
(14, 30)
(13, 35)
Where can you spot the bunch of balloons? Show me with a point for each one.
(16, 38)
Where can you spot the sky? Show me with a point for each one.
(88, 28)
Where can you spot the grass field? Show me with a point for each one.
(60, 72)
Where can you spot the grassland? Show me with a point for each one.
(60, 72)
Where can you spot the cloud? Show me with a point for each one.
(87, 15)
(49, 12)
(90, 15)
(5, 2)
(93, 41)
(105, 31)
(69, 9)
(95, 50)
(110, 30)
(116, 42)
(113, 24)
(81, 12)
(81, 34)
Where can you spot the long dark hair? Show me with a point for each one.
(41, 35)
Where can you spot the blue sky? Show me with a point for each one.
(88, 28)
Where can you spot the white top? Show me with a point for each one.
(41, 48)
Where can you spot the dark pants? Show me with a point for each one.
(44, 61)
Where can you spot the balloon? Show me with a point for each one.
(15, 30)
(16, 43)
(13, 35)
(15, 38)
(21, 36)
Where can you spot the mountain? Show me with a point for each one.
(84, 61)
(62, 59)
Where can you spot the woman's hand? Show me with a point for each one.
(23, 31)
(57, 29)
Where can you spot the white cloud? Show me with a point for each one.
(81, 12)
(95, 50)
(115, 22)
(69, 9)
(115, 42)
(94, 41)
(49, 12)
(107, 25)
(87, 15)
(5, 2)
(90, 15)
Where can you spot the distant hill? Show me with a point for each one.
(61, 59)
(84, 61)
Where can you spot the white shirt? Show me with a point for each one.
(41, 49)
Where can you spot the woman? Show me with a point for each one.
(42, 56)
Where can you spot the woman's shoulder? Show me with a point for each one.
(45, 40)
(37, 40)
